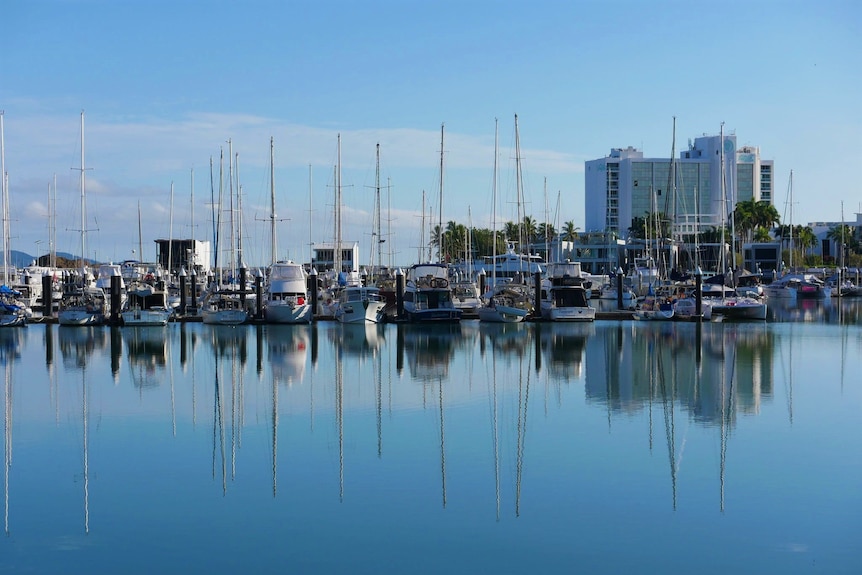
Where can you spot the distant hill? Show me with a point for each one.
(22, 260)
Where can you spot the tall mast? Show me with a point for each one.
(337, 254)
(791, 219)
(672, 198)
(494, 208)
(230, 189)
(547, 230)
(310, 213)
(272, 229)
(519, 187)
(192, 201)
(170, 235)
(83, 201)
(5, 199)
(422, 230)
(377, 213)
(440, 206)
(239, 254)
(723, 266)
(389, 218)
(52, 225)
(140, 235)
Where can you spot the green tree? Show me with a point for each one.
(761, 234)
(528, 225)
(570, 231)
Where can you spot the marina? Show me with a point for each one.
(465, 446)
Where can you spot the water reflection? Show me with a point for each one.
(147, 349)
(660, 385)
(562, 346)
(842, 311)
(429, 349)
(79, 345)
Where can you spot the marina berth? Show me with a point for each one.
(564, 294)
(428, 296)
(286, 299)
(356, 303)
(146, 305)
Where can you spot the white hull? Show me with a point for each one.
(284, 313)
(360, 312)
(568, 313)
(654, 315)
(501, 314)
(224, 316)
(146, 317)
(80, 317)
(434, 315)
(740, 309)
(12, 320)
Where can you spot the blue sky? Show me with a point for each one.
(164, 85)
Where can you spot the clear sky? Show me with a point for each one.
(165, 84)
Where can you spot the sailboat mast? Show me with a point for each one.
(310, 212)
(5, 198)
(377, 212)
(192, 201)
(231, 191)
(170, 234)
(494, 208)
(52, 224)
(272, 229)
(337, 255)
(83, 201)
(440, 206)
(389, 219)
(791, 219)
(239, 254)
(519, 185)
(422, 230)
(140, 235)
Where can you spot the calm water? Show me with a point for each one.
(628, 447)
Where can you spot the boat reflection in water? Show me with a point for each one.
(81, 345)
(360, 339)
(429, 349)
(524, 424)
(147, 349)
(562, 347)
(287, 350)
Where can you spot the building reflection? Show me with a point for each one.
(628, 364)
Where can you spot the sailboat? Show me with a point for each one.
(427, 294)
(82, 302)
(286, 296)
(353, 301)
(736, 306)
(504, 303)
(222, 305)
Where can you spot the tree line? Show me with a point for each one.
(759, 221)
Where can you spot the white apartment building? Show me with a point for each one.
(625, 185)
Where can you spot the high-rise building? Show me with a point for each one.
(687, 190)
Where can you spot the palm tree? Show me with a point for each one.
(762, 235)
(845, 239)
(766, 215)
(744, 217)
(511, 231)
(570, 231)
(529, 227)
